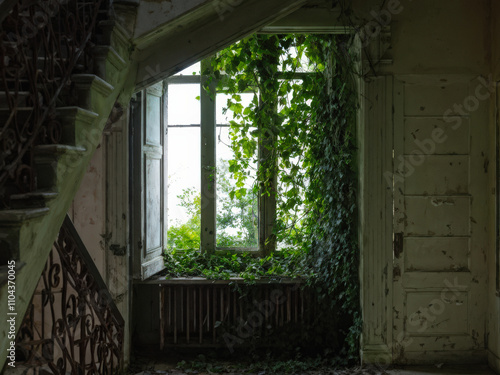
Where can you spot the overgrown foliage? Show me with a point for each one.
(306, 125)
(224, 265)
(331, 196)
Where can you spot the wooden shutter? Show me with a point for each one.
(149, 181)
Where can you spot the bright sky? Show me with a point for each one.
(184, 143)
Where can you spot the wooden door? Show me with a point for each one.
(440, 218)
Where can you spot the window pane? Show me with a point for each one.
(183, 107)
(190, 70)
(184, 188)
(221, 104)
(237, 217)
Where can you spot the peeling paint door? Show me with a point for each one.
(149, 184)
(440, 184)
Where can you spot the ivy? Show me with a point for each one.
(306, 125)
(308, 129)
(331, 195)
(224, 265)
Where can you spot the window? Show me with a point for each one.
(201, 203)
(209, 208)
(278, 139)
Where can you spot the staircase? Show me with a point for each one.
(59, 85)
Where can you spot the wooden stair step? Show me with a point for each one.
(103, 54)
(56, 150)
(16, 216)
(38, 198)
(21, 100)
(88, 85)
(11, 223)
(74, 121)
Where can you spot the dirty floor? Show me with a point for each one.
(451, 370)
(173, 366)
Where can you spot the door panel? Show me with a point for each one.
(149, 181)
(152, 214)
(440, 216)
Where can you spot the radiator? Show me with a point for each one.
(207, 313)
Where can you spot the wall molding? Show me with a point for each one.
(375, 204)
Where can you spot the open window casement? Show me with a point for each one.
(149, 180)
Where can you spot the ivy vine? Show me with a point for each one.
(307, 124)
(302, 118)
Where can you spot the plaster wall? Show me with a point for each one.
(87, 210)
(434, 37)
(100, 214)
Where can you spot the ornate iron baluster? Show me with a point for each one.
(42, 43)
(72, 324)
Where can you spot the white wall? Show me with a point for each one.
(100, 215)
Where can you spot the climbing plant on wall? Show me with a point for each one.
(303, 114)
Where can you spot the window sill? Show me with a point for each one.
(160, 280)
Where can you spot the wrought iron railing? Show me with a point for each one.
(72, 325)
(41, 44)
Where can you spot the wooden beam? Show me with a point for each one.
(206, 35)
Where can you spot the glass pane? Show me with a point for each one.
(184, 188)
(237, 217)
(190, 70)
(183, 105)
(221, 104)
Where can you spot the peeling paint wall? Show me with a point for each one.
(100, 214)
(448, 36)
(88, 212)
(444, 202)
